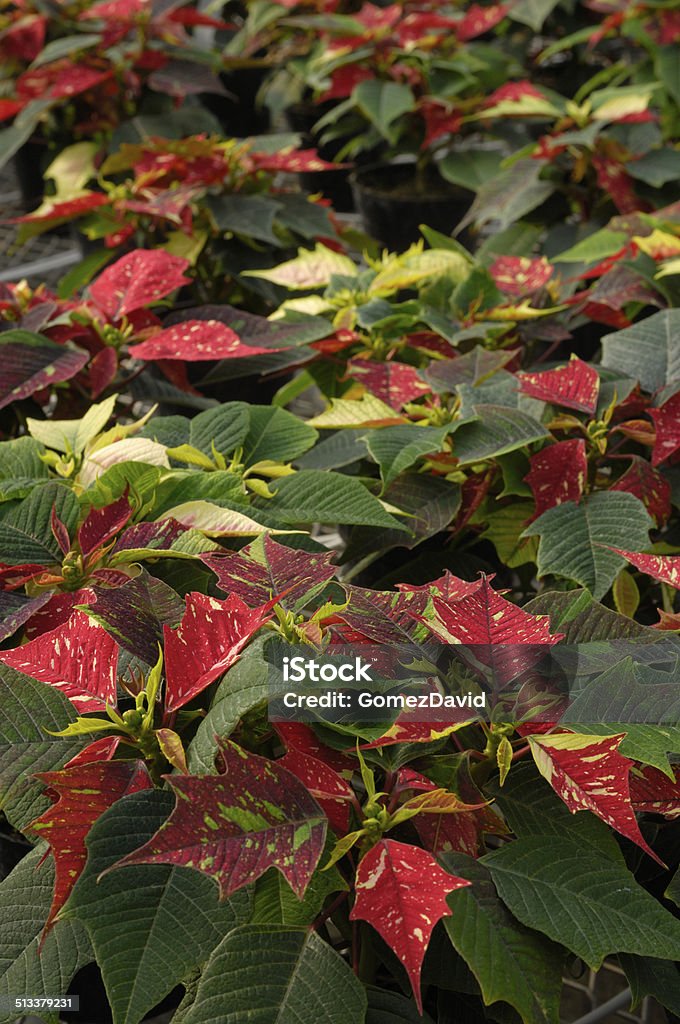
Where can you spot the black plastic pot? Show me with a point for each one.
(393, 202)
(239, 113)
(29, 164)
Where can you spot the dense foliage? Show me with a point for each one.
(461, 460)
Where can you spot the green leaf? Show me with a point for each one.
(395, 449)
(66, 46)
(220, 487)
(170, 918)
(648, 977)
(666, 68)
(471, 167)
(504, 530)
(497, 431)
(25, 533)
(25, 898)
(262, 974)
(512, 963)
(21, 467)
(276, 435)
(141, 479)
(594, 248)
(314, 496)
(505, 198)
(626, 691)
(588, 903)
(224, 427)
(385, 1007)
(243, 687)
(71, 436)
(657, 167)
(581, 619)
(648, 350)
(27, 709)
(572, 538)
(532, 12)
(673, 890)
(276, 903)
(340, 449)
(252, 216)
(383, 102)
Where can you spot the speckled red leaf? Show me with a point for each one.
(520, 275)
(57, 611)
(665, 568)
(574, 386)
(59, 80)
(472, 494)
(558, 473)
(485, 617)
(653, 490)
(102, 749)
(157, 536)
(299, 736)
(420, 25)
(513, 93)
(60, 532)
(79, 658)
(291, 161)
(393, 383)
(617, 184)
(190, 16)
(16, 609)
(654, 792)
(138, 279)
(237, 825)
(83, 793)
(25, 38)
(460, 832)
(439, 119)
(135, 612)
(401, 891)
(101, 524)
(207, 642)
(478, 20)
(102, 371)
(66, 208)
(197, 340)
(384, 617)
(13, 576)
(667, 620)
(405, 730)
(344, 80)
(588, 773)
(35, 363)
(667, 422)
(329, 789)
(118, 10)
(447, 586)
(300, 574)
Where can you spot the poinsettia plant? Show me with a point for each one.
(388, 865)
(403, 78)
(80, 70)
(211, 201)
